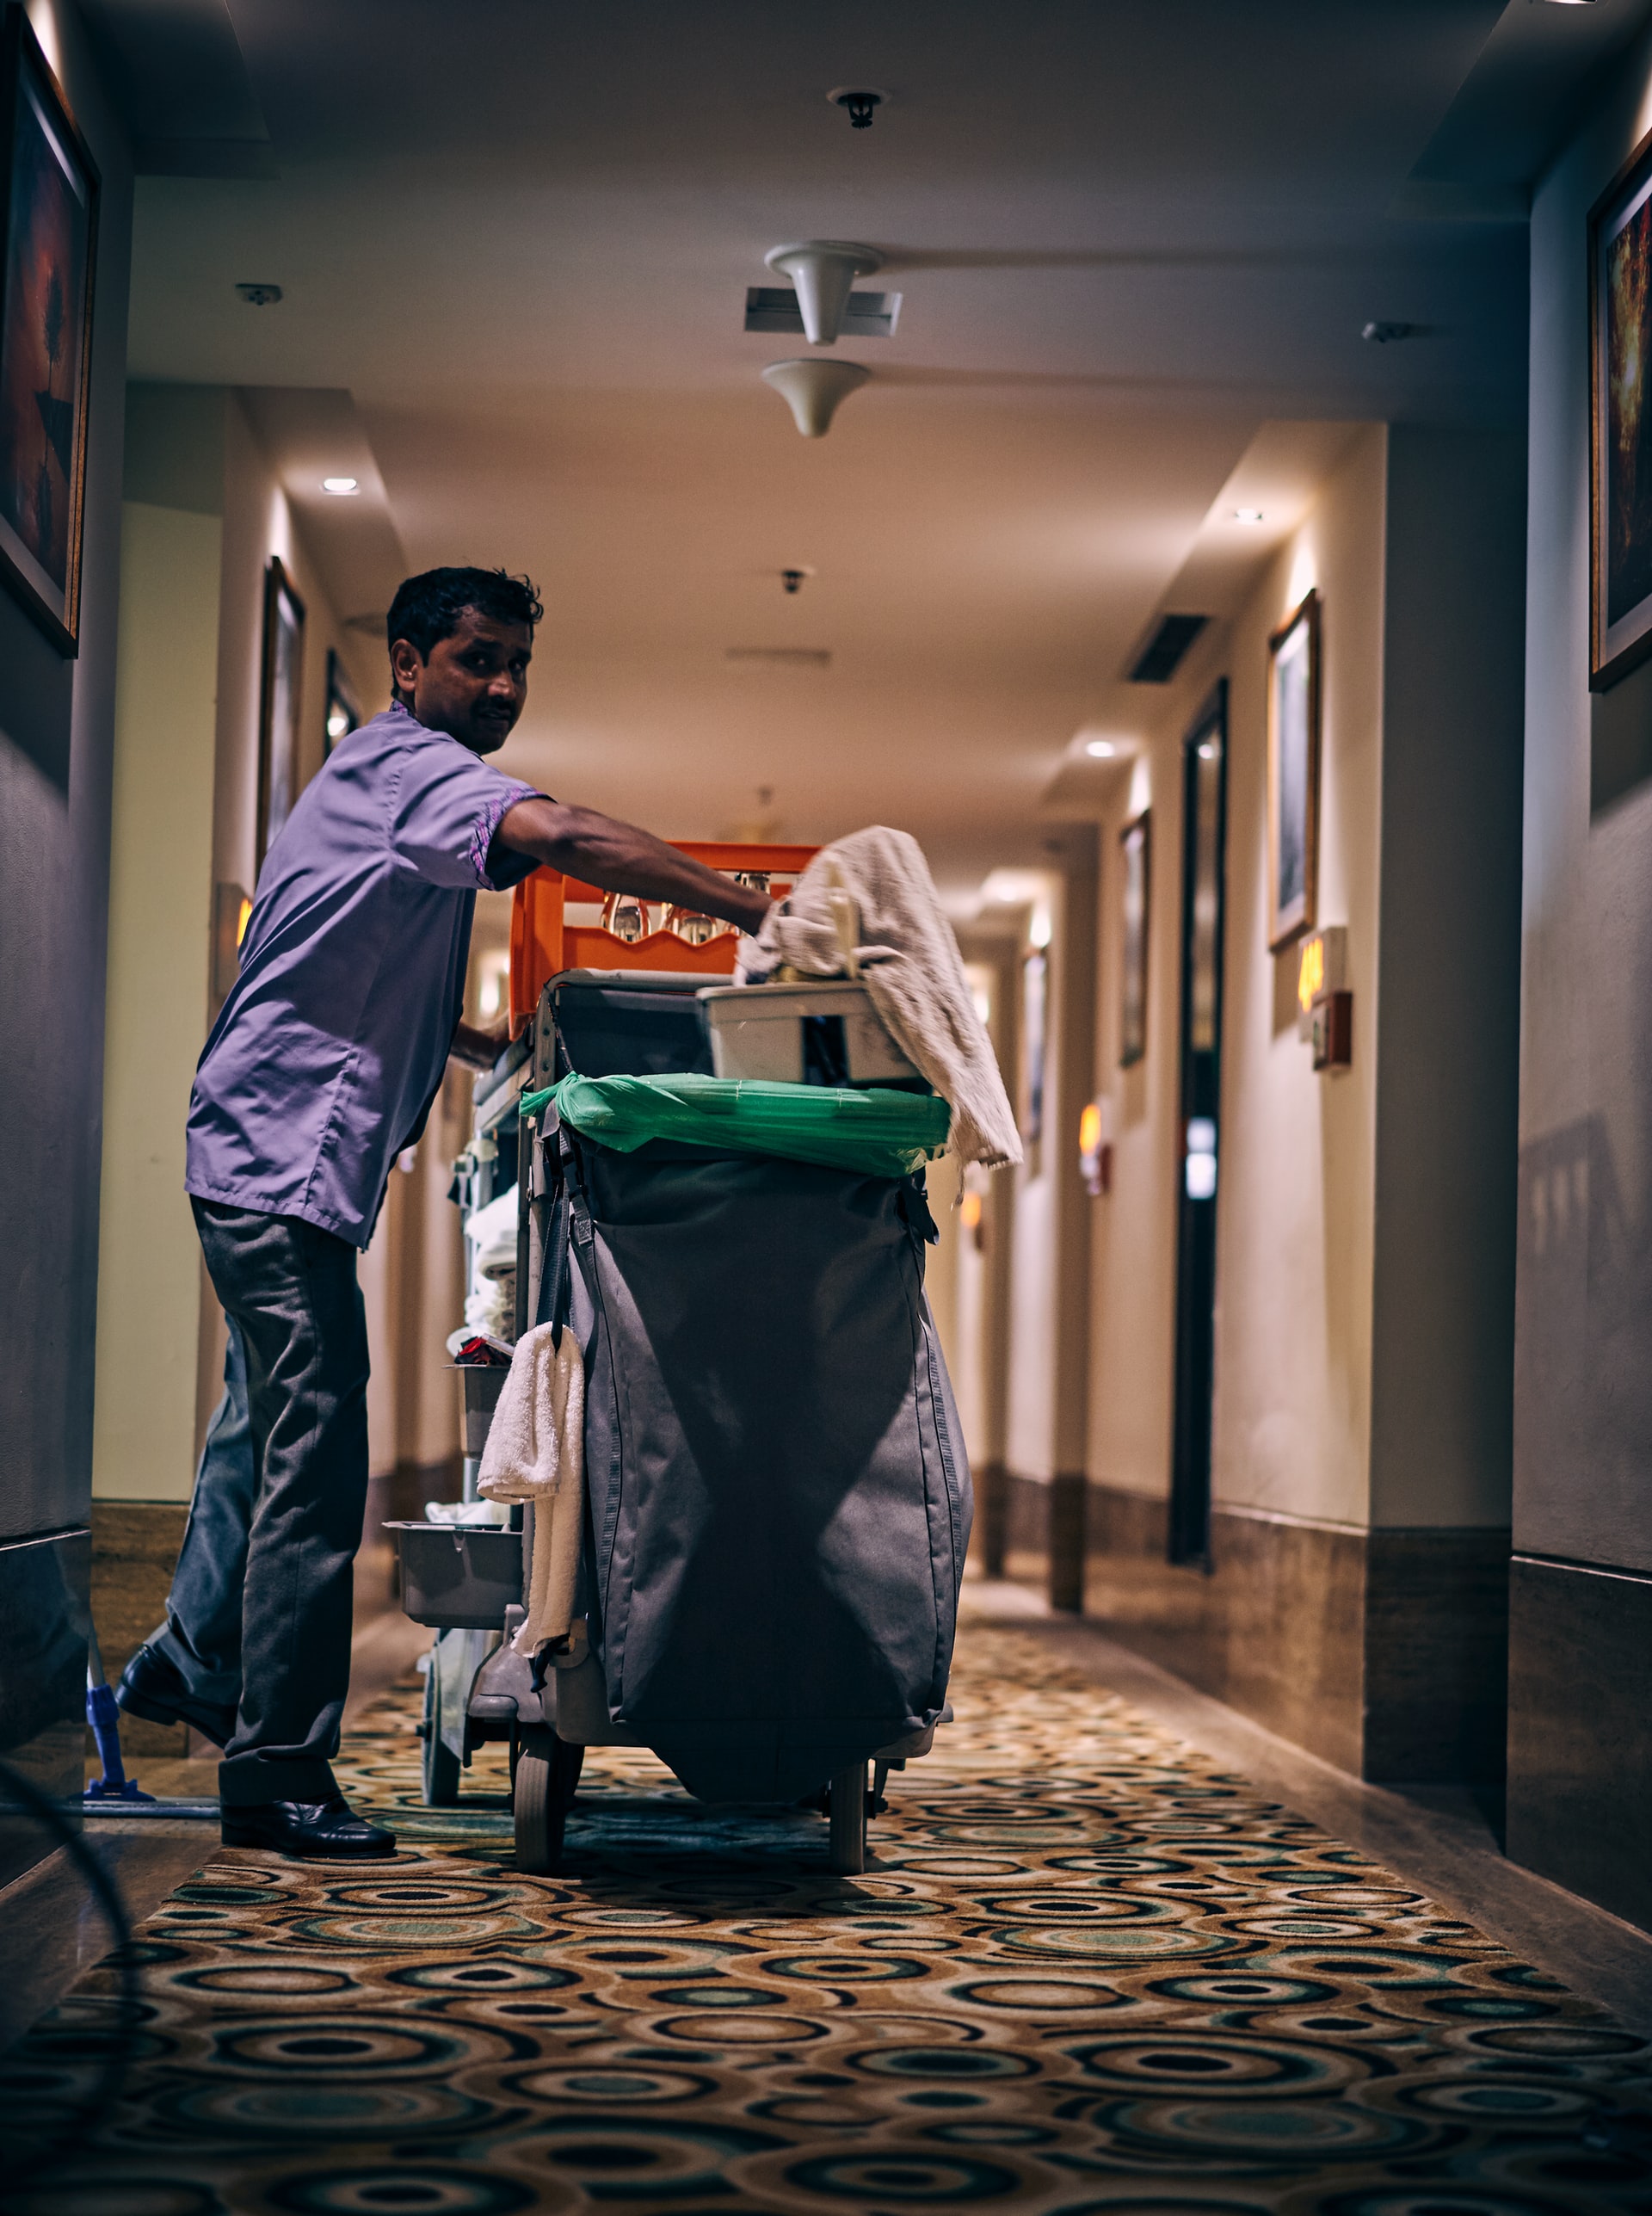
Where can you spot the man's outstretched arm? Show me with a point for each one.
(619, 858)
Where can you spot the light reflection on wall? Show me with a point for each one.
(43, 22)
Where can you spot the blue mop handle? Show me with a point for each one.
(104, 1717)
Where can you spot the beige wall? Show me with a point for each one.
(1362, 1346)
(205, 512)
(1295, 1206)
(1133, 1227)
(1297, 1177)
(258, 523)
(160, 895)
(1030, 1396)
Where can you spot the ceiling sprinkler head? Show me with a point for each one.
(792, 579)
(259, 296)
(859, 102)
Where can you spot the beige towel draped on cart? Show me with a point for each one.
(536, 1453)
(909, 962)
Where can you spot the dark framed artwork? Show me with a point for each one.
(1620, 422)
(1293, 774)
(1136, 878)
(1035, 995)
(279, 705)
(48, 235)
(342, 715)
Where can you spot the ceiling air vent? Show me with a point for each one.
(868, 315)
(1161, 658)
(781, 658)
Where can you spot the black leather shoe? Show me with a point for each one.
(150, 1687)
(311, 1831)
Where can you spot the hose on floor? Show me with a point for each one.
(116, 2043)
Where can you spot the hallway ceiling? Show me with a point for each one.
(519, 233)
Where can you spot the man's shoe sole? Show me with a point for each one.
(157, 1712)
(297, 1853)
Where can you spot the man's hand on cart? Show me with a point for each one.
(618, 857)
(480, 1045)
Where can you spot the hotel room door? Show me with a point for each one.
(1204, 889)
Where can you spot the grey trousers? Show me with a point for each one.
(260, 1601)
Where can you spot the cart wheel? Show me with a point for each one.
(548, 1773)
(441, 1764)
(849, 1820)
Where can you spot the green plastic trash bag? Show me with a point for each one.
(881, 1133)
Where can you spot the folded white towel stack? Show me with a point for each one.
(536, 1453)
(909, 963)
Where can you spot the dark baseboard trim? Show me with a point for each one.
(991, 1517)
(1384, 1652)
(1067, 1518)
(1580, 1771)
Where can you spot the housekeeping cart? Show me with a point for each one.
(777, 1501)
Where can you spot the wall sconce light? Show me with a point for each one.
(1324, 1004)
(1095, 1146)
(1198, 1165)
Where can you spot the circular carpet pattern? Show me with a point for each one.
(1087, 1970)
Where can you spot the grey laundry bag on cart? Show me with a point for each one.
(778, 1496)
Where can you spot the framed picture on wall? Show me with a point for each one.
(1293, 774)
(1035, 994)
(343, 714)
(1134, 846)
(279, 705)
(48, 238)
(1620, 422)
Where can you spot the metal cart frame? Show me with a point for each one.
(468, 1581)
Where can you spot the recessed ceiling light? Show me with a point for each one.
(340, 484)
(1248, 515)
(1100, 750)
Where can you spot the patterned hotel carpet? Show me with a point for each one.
(1089, 1971)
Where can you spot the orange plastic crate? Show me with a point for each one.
(543, 943)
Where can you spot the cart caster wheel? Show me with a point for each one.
(547, 1774)
(849, 1820)
(441, 1764)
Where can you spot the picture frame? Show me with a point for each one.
(1135, 883)
(279, 702)
(1620, 422)
(1034, 1013)
(49, 192)
(1293, 752)
(341, 716)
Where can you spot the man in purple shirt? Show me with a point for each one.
(321, 1068)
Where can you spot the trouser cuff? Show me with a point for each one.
(251, 1781)
(219, 1688)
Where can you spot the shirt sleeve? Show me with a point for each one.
(449, 804)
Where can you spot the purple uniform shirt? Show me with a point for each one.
(329, 1049)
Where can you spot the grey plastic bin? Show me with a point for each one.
(459, 1577)
(482, 1385)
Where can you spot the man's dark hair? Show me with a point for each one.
(427, 607)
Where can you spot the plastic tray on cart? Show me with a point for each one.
(459, 1577)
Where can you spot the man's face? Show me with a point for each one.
(473, 685)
